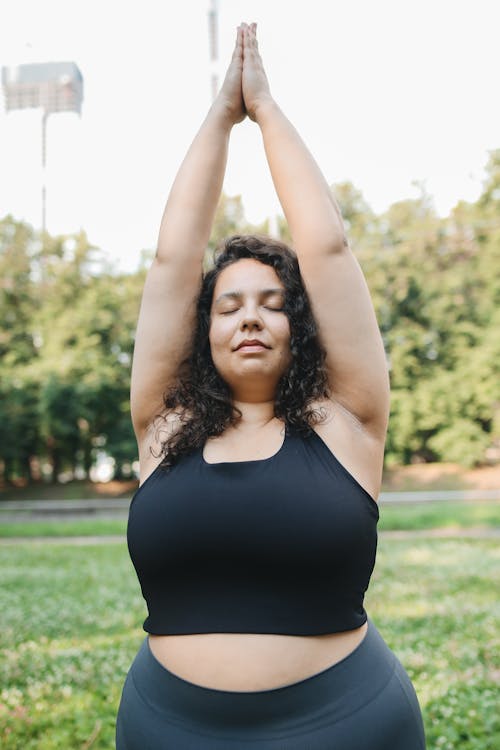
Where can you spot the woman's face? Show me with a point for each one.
(249, 332)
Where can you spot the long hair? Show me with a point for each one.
(202, 399)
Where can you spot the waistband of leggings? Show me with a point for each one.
(334, 692)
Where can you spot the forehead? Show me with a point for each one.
(247, 275)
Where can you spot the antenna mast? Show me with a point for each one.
(213, 43)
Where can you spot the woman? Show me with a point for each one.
(254, 536)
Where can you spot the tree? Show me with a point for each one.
(68, 326)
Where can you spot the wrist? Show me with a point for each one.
(264, 109)
(222, 116)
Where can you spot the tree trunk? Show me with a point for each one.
(87, 458)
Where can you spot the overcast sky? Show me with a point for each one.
(384, 93)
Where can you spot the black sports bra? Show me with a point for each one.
(284, 545)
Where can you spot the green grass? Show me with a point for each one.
(80, 527)
(72, 616)
(392, 517)
(439, 515)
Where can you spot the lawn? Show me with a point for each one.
(72, 616)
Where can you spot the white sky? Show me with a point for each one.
(384, 93)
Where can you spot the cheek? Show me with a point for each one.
(285, 333)
(220, 337)
(218, 332)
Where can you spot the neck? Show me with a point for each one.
(257, 414)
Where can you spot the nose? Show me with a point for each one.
(251, 320)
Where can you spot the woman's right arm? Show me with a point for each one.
(167, 312)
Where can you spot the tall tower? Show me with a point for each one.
(51, 87)
(213, 45)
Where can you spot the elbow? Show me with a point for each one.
(334, 243)
(320, 243)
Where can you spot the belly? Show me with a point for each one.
(251, 661)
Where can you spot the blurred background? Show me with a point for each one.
(100, 103)
(398, 101)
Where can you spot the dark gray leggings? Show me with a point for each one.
(364, 702)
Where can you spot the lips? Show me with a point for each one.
(250, 343)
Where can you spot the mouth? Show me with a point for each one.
(253, 345)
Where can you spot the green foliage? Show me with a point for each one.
(64, 379)
(17, 298)
(436, 290)
(19, 428)
(68, 325)
(462, 442)
(230, 219)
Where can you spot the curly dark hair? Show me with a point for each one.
(202, 399)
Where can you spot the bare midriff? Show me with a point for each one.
(251, 661)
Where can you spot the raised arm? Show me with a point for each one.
(341, 302)
(167, 310)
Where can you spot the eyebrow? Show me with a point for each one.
(237, 295)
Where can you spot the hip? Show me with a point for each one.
(364, 702)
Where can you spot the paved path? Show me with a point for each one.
(15, 511)
(77, 541)
(430, 496)
(122, 503)
(81, 541)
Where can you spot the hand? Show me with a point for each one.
(254, 80)
(230, 97)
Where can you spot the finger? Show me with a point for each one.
(250, 41)
(253, 36)
(238, 47)
(252, 48)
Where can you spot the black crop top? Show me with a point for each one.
(282, 545)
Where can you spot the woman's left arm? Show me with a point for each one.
(357, 368)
